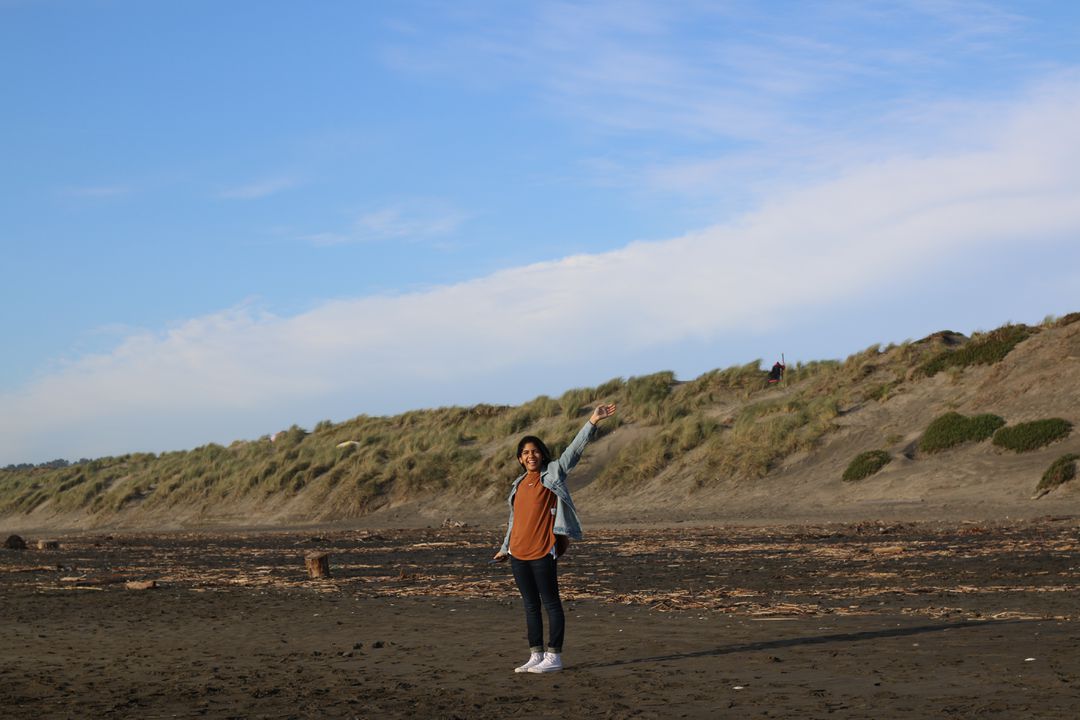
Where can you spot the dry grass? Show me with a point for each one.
(726, 423)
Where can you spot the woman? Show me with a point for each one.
(545, 521)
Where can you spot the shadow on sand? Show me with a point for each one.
(797, 641)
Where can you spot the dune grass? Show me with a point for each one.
(952, 429)
(984, 349)
(866, 464)
(1060, 471)
(346, 469)
(1033, 435)
(725, 424)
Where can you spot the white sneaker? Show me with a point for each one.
(552, 662)
(535, 659)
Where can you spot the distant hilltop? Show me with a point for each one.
(945, 427)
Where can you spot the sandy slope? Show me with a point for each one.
(1040, 378)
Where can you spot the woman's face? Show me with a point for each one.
(531, 457)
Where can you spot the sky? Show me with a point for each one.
(218, 220)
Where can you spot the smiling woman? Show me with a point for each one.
(545, 521)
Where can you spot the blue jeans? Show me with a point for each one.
(538, 583)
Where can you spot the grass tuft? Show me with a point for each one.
(1060, 471)
(952, 429)
(1033, 435)
(982, 350)
(866, 464)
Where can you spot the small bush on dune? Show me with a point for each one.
(1068, 319)
(985, 425)
(1060, 471)
(866, 464)
(952, 429)
(1032, 435)
(984, 350)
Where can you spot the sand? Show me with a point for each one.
(866, 620)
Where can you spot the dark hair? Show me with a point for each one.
(545, 454)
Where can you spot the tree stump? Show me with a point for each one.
(318, 565)
(14, 542)
(48, 544)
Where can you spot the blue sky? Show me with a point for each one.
(220, 219)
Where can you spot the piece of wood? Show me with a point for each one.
(318, 565)
(141, 584)
(113, 579)
(48, 544)
(14, 542)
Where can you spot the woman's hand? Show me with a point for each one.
(500, 556)
(601, 412)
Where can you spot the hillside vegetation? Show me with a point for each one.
(715, 441)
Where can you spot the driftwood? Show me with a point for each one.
(318, 565)
(112, 579)
(141, 585)
(48, 544)
(14, 542)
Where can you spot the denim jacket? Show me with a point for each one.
(554, 479)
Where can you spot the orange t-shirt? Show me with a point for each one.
(533, 533)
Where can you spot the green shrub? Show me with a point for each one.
(984, 350)
(984, 426)
(1032, 435)
(866, 464)
(952, 429)
(1060, 471)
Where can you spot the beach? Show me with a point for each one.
(859, 620)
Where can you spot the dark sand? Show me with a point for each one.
(855, 621)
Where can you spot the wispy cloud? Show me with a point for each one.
(97, 191)
(969, 19)
(416, 220)
(260, 188)
(883, 223)
(725, 85)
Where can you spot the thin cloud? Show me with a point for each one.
(633, 67)
(97, 191)
(969, 20)
(407, 221)
(259, 189)
(885, 223)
